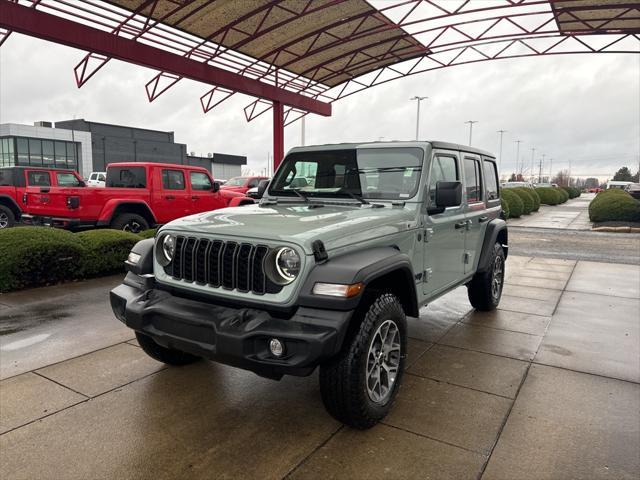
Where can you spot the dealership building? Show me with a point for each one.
(90, 146)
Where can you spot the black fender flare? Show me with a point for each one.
(494, 229)
(144, 266)
(362, 266)
(11, 203)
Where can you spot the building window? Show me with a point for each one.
(35, 151)
(72, 155)
(23, 151)
(47, 153)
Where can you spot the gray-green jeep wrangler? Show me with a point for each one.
(346, 242)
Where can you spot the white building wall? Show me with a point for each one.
(85, 165)
(225, 171)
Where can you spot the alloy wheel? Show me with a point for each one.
(383, 362)
(497, 277)
(4, 220)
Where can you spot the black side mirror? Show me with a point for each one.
(262, 187)
(448, 194)
(81, 183)
(216, 187)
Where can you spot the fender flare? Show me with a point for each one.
(11, 203)
(362, 266)
(236, 201)
(494, 228)
(144, 248)
(109, 208)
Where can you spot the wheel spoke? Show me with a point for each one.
(383, 361)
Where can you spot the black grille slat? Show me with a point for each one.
(232, 265)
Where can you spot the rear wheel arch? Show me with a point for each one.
(11, 205)
(136, 208)
(496, 232)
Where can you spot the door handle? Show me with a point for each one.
(170, 197)
(460, 225)
(195, 197)
(483, 219)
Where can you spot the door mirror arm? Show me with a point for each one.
(216, 187)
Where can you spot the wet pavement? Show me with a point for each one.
(571, 215)
(546, 387)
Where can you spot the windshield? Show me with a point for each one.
(376, 173)
(237, 182)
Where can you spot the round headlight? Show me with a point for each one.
(167, 249)
(287, 264)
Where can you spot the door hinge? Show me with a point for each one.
(428, 234)
(428, 273)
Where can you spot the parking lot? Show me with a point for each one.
(544, 387)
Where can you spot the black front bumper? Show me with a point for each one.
(235, 336)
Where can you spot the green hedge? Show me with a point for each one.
(563, 194)
(105, 250)
(549, 195)
(514, 203)
(37, 256)
(34, 256)
(536, 198)
(573, 192)
(614, 205)
(150, 233)
(527, 199)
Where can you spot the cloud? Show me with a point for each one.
(581, 108)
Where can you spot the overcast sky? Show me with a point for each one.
(581, 108)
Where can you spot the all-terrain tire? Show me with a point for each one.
(130, 222)
(163, 354)
(485, 289)
(343, 380)
(7, 218)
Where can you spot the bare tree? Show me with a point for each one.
(562, 178)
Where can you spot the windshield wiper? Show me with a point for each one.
(355, 197)
(300, 194)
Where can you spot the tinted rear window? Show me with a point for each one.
(127, 177)
(6, 178)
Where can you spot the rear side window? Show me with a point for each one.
(6, 178)
(472, 180)
(67, 180)
(491, 180)
(101, 177)
(38, 179)
(200, 181)
(443, 169)
(127, 177)
(172, 180)
(93, 176)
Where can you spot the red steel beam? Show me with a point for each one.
(278, 134)
(49, 27)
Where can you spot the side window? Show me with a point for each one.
(67, 180)
(253, 183)
(126, 177)
(200, 181)
(38, 179)
(472, 180)
(444, 168)
(93, 176)
(491, 180)
(101, 177)
(172, 179)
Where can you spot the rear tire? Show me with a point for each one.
(359, 385)
(7, 218)
(163, 354)
(485, 289)
(130, 222)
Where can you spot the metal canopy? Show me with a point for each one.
(292, 52)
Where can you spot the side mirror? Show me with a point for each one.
(262, 187)
(216, 187)
(82, 183)
(448, 194)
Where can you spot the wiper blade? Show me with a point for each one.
(300, 194)
(355, 197)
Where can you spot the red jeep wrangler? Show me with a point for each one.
(137, 196)
(13, 187)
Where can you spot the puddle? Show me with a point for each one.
(14, 320)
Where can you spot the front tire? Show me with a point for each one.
(7, 218)
(130, 222)
(163, 354)
(359, 386)
(485, 289)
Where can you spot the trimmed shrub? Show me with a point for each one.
(573, 192)
(536, 198)
(150, 233)
(564, 195)
(513, 200)
(104, 251)
(614, 206)
(527, 199)
(505, 207)
(548, 195)
(37, 256)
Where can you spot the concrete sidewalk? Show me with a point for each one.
(546, 387)
(572, 215)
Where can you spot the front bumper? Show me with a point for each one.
(235, 336)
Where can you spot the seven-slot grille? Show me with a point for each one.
(230, 265)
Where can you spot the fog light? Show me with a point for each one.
(133, 258)
(276, 347)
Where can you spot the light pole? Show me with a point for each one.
(419, 99)
(471, 122)
(540, 170)
(533, 152)
(518, 142)
(501, 132)
(550, 169)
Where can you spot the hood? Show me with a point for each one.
(335, 225)
(230, 193)
(229, 188)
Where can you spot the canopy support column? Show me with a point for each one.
(278, 134)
